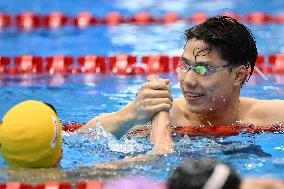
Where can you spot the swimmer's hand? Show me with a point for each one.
(153, 97)
(161, 135)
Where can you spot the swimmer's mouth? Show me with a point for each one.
(194, 95)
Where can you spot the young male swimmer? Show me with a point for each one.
(218, 58)
(31, 137)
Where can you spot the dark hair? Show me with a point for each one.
(194, 174)
(235, 42)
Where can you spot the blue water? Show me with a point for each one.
(81, 97)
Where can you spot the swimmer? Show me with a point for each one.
(31, 137)
(213, 174)
(218, 58)
(204, 174)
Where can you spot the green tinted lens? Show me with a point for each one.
(201, 70)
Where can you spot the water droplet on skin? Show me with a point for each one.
(211, 109)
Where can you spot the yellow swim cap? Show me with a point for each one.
(30, 135)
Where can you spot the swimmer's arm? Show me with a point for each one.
(277, 113)
(117, 123)
(270, 111)
(161, 138)
(161, 134)
(151, 156)
(127, 161)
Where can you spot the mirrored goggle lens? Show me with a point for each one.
(201, 70)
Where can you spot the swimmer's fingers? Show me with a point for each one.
(154, 94)
(155, 86)
(154, 102)
(160, 107)
(166, 81)
(153, 78)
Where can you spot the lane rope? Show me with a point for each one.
(120, 64)
(31, 20)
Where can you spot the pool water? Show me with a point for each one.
(80, 97)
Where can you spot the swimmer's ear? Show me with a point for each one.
(241, 73)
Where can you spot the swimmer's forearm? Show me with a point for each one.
(161, 135)
(117, 123)
(126, 161)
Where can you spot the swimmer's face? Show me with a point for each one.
(206, 92)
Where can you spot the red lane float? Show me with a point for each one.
(113, 18)
(58, 64)
(156, 64)
(175, 61)
(121, 64)
(232, 15)
(53, 185)
(28, 64)
(84, 19)
(15, 185)
(55, 20)
(198, 17)
(5, 20)
(279, 18)
(277, 62)
(92, 64)
(258, 18)
(170, 17)
(28, 21)
(4, 62)
(214, 130)
(266, 69)
(142, 18)
(92, 184)
(71, 127)
(259, 60)
(225, 130)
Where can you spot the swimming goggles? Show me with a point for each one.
(201, 69)
(206, 70)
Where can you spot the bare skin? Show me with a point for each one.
(211, 100)
(262, 183)
(220, 102)
(160, 136)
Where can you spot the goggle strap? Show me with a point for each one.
(260, 73)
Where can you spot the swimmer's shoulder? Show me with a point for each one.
(262, 111)
(179, 110)
(251, 106)
(263, 105)
(178, 106)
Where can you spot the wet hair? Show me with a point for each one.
(202, 173)
(234, 41)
